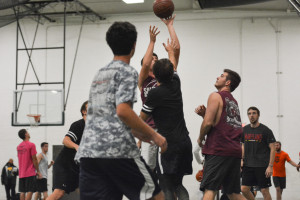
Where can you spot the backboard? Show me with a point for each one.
(49, 103)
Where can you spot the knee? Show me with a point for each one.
(264, 191)
(245, 189)
(278, 189)
(57, 194)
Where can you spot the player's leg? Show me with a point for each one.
(45, 195)
(57, 194)
(263, 182)
(248, 180)
(234, 196)
(159, 196)
(22, 188)
(232, 181)
(28, 196)
(95, 182)
(247, 193)
(30, 187)
(266, 193)
(180, 190)
(209, 195)
(22, 195)
(215, 169)
(278, 193)
(148, 152)
(36, 195)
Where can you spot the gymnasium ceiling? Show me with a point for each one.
(104, 8)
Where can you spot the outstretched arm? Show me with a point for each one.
(169, 22)
(293, 163)
(139, 128)
(171, 49)
(148, 57)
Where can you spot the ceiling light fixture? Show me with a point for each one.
(133, 1)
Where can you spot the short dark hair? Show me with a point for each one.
(163, 70)
(234, 78)
(278, 142)
(154, 54)
(254, 108)
(43, 144)
(121, 37)
(83, 107)
(22, 133)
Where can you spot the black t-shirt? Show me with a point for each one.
(165, 104)
(256, 145)
(66, 156)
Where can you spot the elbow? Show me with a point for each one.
(64, 141)
(121, 114)
(207, 124)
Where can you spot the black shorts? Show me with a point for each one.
(27, 184)
(41, 185)
(279, 182)
(255, 176)
(102, 178)
(65, 177)
(177, 159)
(221, 171)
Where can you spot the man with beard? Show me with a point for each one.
(258, 156)
(222, 149)
(279, 175)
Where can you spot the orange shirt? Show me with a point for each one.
(279, 164)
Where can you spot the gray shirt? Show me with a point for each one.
(43, 166)
(105, 135)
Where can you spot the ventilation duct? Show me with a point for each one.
(4, 4)
(225, 3)
(296, 4)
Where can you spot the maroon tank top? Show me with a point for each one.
(148, 84)
(224, 139)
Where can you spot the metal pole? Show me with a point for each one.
(74, 61)
(64, 57)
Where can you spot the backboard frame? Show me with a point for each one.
(14, 121)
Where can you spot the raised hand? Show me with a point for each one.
(153, 33)
(168, 21)
(200, 110)
(170, 46)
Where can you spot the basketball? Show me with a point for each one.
(199, 175)
(163, 8)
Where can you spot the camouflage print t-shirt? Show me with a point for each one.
(105, 135)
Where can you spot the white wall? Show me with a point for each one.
(210, 42)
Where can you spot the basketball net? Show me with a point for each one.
(34, 120)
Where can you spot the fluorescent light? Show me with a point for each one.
(133, 1)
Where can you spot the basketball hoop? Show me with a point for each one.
(34, 119)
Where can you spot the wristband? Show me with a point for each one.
(270, 165)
